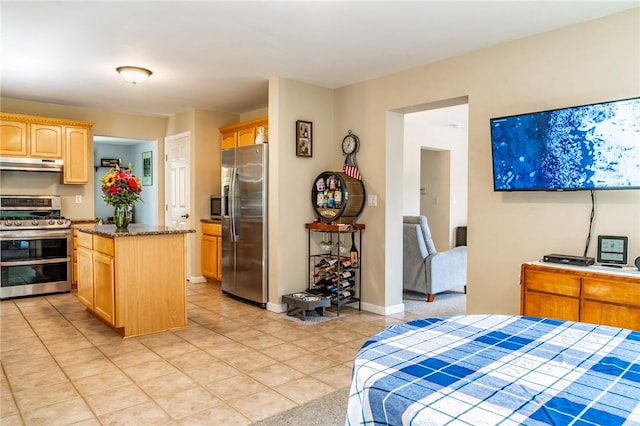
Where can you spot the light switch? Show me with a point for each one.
(372, 200)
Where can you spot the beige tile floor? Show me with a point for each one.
(235, 364)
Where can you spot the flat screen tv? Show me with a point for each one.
(584, 147)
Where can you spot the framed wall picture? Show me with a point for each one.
(147, 169)
(303, 139)
(109, 162)
(612, 249)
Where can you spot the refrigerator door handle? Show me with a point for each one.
(233, 204)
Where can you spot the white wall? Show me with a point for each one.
(589, 62)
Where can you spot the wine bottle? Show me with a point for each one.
(353, 253)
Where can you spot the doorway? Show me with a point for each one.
(134, 152)
(435, 170)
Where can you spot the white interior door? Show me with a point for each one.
(178, 187)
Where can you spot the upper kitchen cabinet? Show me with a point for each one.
(242, 134)
(44, 137)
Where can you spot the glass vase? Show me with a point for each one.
(121, 217)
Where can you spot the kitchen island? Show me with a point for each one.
(135, 281)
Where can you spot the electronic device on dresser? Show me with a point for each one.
(35, 257)
(567, 259)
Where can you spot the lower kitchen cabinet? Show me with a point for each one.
(585, 294)
(136, 282)
(96, 284)
(211, 248)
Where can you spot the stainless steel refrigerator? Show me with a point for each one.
(244, 222)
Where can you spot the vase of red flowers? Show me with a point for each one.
(121, 189)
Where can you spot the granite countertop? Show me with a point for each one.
(134, 229)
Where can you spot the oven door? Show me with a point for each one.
(35, 262)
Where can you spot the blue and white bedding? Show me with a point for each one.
(497, 369)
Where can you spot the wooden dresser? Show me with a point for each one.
(592, 294)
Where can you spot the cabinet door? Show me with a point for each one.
(551, 306)
(13, 138)
(103, 278)
(76, 155)
(210, 256)
(228, 140)
(45, 141)
(85, 276)
(247, 136)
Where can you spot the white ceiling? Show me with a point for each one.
(219, 55)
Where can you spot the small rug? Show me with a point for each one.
(330, 410)
(448, 303)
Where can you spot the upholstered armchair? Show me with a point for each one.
(425, 270)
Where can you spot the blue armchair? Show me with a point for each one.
(425, 270)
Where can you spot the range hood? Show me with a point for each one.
(31, 164)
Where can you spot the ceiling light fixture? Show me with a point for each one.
(134, 75)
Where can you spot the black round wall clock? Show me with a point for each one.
(350, 144)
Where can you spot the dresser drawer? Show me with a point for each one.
(552, 282)
(611, 291)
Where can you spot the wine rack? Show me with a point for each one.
(334, 266)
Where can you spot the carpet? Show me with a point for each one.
(329, 410)
(447, 303)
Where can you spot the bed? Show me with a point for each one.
(497, 369)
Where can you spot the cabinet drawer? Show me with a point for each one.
(212, 229)
(551, 306)
(103, 245)
(552, 282)
(85, 240)
(613, 315)
(611, 291)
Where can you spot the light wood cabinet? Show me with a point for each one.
(211, 250)
(136, 283)
(77, 148)
(46, 141)
(242, 134)
(74, 252)
(50, 138)
(581, 294)
(96, 286)
(13, 137)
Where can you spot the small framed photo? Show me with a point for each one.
(109, 162)
(147, 169)
(303, 139)
(612, 249)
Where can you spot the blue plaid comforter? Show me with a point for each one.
(497, 369)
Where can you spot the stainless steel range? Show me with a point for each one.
(36, 246)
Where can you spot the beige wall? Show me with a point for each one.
(590, 62)
(291, 179)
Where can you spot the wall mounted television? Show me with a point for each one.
(586, 147)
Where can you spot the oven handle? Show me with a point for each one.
(34, 235)
(36, 262)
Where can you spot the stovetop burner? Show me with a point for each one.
(31, 212)
(13, 223)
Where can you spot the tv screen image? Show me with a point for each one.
(585, 147)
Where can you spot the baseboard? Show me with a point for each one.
(276, 307)
(383, 310)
